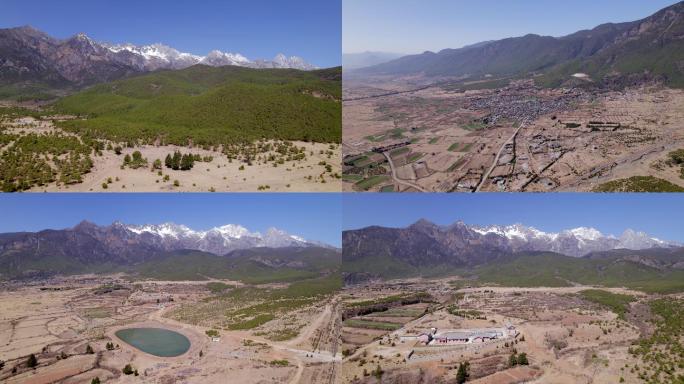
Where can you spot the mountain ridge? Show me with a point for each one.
(650, 48)
(89, 248)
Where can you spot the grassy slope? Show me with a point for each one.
(212, 106)
(534, 270)
(195, 265)
(555, 270)
(617, 303)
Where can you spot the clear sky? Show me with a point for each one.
(657, 214)
(255, 28)
(413, 26)
(310, 215)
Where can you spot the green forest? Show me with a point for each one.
(210, 106)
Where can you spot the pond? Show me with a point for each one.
(155, 341)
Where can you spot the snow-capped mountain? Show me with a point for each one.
(160, 56)
(218, 240)
(30, 55)
(572, 242)
(431, 246)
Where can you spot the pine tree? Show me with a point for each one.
(513, 360)
(462, 374)
(95, 381)
(168, 162)
(176, 160)
(186, 162)
(89, 349)
(32, 361)
(522, 359)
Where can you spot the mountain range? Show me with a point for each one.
(425, 248)
(32, 58)
(120, 247)
(651, 48)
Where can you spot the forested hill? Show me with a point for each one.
(211, 106)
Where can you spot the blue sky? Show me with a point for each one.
(413, 26)
(313, 216)
(657, 214)
(257, 28)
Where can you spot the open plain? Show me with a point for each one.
(69, 325)
(423, 135)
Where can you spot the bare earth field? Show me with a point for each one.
(565, 337)
(56, 320)
(318, 171)
(456, 138)
(219, 174)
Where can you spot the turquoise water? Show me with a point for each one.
(155, 341)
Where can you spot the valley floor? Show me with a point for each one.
(57, 320)
(401, 135)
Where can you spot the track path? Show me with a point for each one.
(498, 155)
(397, 180)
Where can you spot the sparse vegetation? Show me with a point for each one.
(616, 302)
(639, 184)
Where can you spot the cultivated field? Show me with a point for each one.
(451, 136)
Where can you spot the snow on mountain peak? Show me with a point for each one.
(574, 242)
(219, 240)
(163, 230)
(234, 231)
(158, 55)
(586, 233)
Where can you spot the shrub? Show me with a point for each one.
(31, 362)
(127, 370)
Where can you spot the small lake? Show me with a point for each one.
(155, 341)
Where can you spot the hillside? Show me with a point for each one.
(554, 270)
(651, 48)
(211, 106)
(258, 265)
(179, 265)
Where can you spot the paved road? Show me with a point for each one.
(496, 159)
(397, 180)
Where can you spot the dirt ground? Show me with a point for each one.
(219, 175)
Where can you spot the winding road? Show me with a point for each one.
(399, 181)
